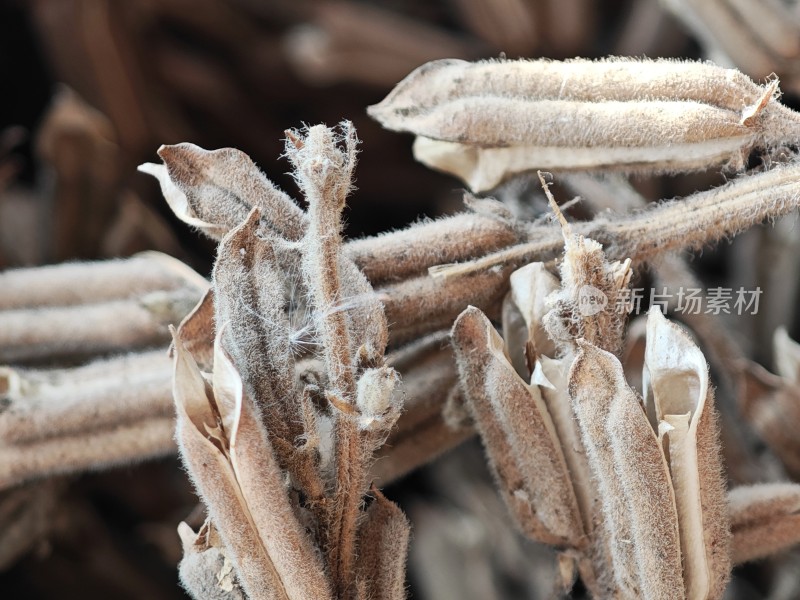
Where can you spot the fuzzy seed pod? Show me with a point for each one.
(487, 121)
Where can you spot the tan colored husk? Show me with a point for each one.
(618, 113)
(249, 292)
(680, 404)
(632, 475)
(399, 254)
(89, 451)
(421, 432)
(530, 287)
(517, 432)
(72, 284)
(231, 462)
(424, 304)
(42, 404)
(90, 329)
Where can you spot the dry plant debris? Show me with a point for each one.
(311, 367)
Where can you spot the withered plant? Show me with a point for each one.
(605, 435)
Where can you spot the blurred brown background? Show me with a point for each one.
(91, 88)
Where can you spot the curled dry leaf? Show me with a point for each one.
(216, 190)
(489, 120)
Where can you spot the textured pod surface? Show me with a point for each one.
(516, 429)
(487, 121)
(680, 404)
(632, 477)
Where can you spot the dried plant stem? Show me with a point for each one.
(689, 223)
(325, 175)
(401, 254)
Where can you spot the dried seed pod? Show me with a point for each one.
(130, 314)
(102, 414)
(249, 295)
(103, 395)
(632, 476)
(765, 519)
(771, 403)
(424, 304)
(90, 450)
(422, 433)
(73, 284)
(490, 120)
(517, 432)
(196, 331)
(680, 405)
(399, 254)
(227, 452)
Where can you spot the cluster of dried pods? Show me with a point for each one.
(286, 395)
